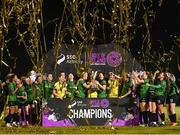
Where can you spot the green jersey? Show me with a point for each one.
(30, 92)
(81, 89)
(125, 87)
(48, 89)
(173, 89)
(151, 91)
(144, 89)
(38, 91)
(160, 88)
(11, 89)
(71, 87)
(102, 93)
(21, 92)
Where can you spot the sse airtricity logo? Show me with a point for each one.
(61, 58)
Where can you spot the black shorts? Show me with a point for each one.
(171, 99)
(160, 100)
(29, 102)
(12, 103)
(151, 98)
(144, 99)
(22, 104)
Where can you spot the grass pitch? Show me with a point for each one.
(97, 129)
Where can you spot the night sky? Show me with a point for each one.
(165, 27)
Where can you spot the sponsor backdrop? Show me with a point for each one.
(79, 112)
(104, 57)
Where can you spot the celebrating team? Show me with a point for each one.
(24, 96)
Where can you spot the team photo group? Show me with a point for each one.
(21, 97)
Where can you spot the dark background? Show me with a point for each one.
(165, 28)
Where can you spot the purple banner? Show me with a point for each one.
(79, 112)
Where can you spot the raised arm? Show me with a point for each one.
(154, 76)
(128, 93)
(138, 81)
(101, 86)
(116, 76)
(155, 86)
(86, 85)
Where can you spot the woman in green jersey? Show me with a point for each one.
(38, 92)
(30, 98)
(152, 100)
(160, 95)
(82, 86)
(126, 86)
(102, 86)
(172, 90)
(12, 102)
(22, 102)
(38, 85)
(143, 95)
(71, 86)
(48, 86)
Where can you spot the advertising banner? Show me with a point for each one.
(104, 57)
(89, 112)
